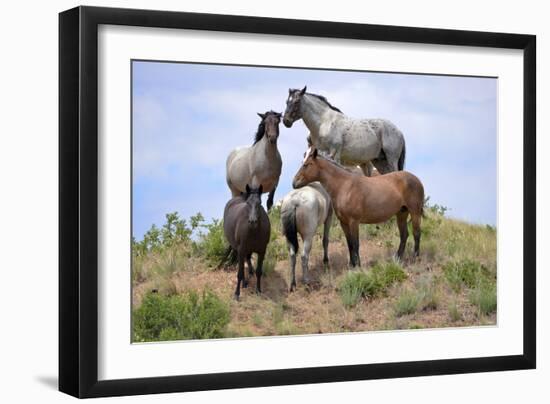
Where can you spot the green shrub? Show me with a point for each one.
(407, 302)
(484, 297)
(376, 281)
(466, 273)
(180, 317)
(212, 244)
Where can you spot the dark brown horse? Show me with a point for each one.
(360, 199)
(247, 229)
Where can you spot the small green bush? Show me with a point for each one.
(176, 317)
(407, 302)
(212, 244)
(465, 273)
(484, 297)
(376, 281)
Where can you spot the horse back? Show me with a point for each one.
(407, 185)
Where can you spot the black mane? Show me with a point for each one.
(326, 102)
(259, 133)
(261, 129)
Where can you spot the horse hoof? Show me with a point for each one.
(292, 288)
(258, 291)
(236, 297)
(245, 284)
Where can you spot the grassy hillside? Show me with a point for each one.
(179, 292)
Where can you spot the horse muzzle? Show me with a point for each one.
(287, 122)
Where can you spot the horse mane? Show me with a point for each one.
(332, 161)
(261, 129)
(322, 98)
(259, 133)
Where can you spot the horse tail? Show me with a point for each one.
(288, 219)
(229, 257)
(401, 161)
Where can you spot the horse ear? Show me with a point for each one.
(261, 189)
(315, 153)
(303, 90)
(247, 189)
(261, 115)
(290, 90)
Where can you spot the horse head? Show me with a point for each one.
(269, 126)
(254, 202)
(293, 111)
(309, 171)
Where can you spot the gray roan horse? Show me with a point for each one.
(348, 141)
(302, 211)
(247, 229)
(258, 164)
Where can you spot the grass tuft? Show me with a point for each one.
(466, 273)
(484, 297)
(375, 282)
(407, 303)
(454, 312)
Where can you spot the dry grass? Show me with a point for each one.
(423, 299)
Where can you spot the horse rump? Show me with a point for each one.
(401, 161)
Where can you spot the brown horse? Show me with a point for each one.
(360, 199)
(247, 229)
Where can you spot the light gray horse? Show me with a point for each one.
(259, 164)
(348, 141)
(302, 211)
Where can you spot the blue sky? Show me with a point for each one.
(188, 117)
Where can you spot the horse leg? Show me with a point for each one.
(250, 271)
(270, 198)
(305, 259)
(366, 168)
(345, 227)
(416, 220)
(292, 255)
(351, 230)
(354, 227)
(403, 232)
(326, 231)
(240, 277)
(383, 166)
(249, 263)
(259, 272)
(335, 154)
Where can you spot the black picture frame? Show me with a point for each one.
(78, 201)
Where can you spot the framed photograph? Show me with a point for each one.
(249, 201)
